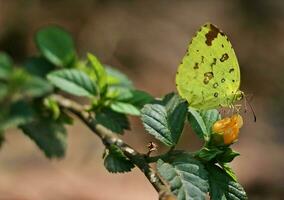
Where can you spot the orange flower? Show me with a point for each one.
(229, 128)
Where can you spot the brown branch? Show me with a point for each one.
(109, 138)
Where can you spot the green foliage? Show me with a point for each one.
(165, 122)
(217, 154)
(16, 114)
(5, 66)
(201, 122)
(186, 176)
(116, 161)
(227, 156)
(30, 102)
(100, 74)
(56, 45)
(73, 81)
(125, 108)
(117, 79)
(38, 66)
(208, 154)
(33, 86)
(222, 186)
(49, 135)
(114, 121)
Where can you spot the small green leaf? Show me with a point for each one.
(208, 154)
(119, 93)
(53, 106)
(210, 117)
(23, 84)
(38, 66)
(228, 155)
(4, 90)
(73, 81)
(222, 186)
(16, 114)
(116, 161)
(201, 122)
(100, 72)
(5, 66)
(56, 45)
(228, 170)
(139, 98)
(165, 122)
(114, 121)
(117, 79)
(125, 108)
(186, 177)
(165, 99)
(35, 87)
(49, 135)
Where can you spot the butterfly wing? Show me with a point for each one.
(209, 75)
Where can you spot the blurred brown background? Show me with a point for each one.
(146, 40)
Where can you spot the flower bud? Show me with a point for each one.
(228, 128)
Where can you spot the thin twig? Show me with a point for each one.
(109, 138)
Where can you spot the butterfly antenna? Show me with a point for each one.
(254, 115)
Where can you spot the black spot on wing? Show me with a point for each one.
(207, 77)
(224, 57)
(196, 66)
(214, 62)
(212, 34)
(215, 85)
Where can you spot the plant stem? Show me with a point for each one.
(109, 138)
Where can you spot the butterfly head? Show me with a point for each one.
(239, 95)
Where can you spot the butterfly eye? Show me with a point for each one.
(239, 96)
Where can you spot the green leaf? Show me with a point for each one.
(100, 73)
(228, 155)
(139, 98)
(210, 117)
(117, 79)
(5, 66)
(125, 108)
(222, 186)
(119, 93)
(165, 122)
(49, 135)
(228, 170)
(35, 87)
(201, 122)
(73, 81)
(3, 91)
(16, 114)
(208, 154)
(53, 106)
(186, 177)
(165, 99)
(38, 66)
(114, 121)
(116, 161)
(23, 84)
(56, 45)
